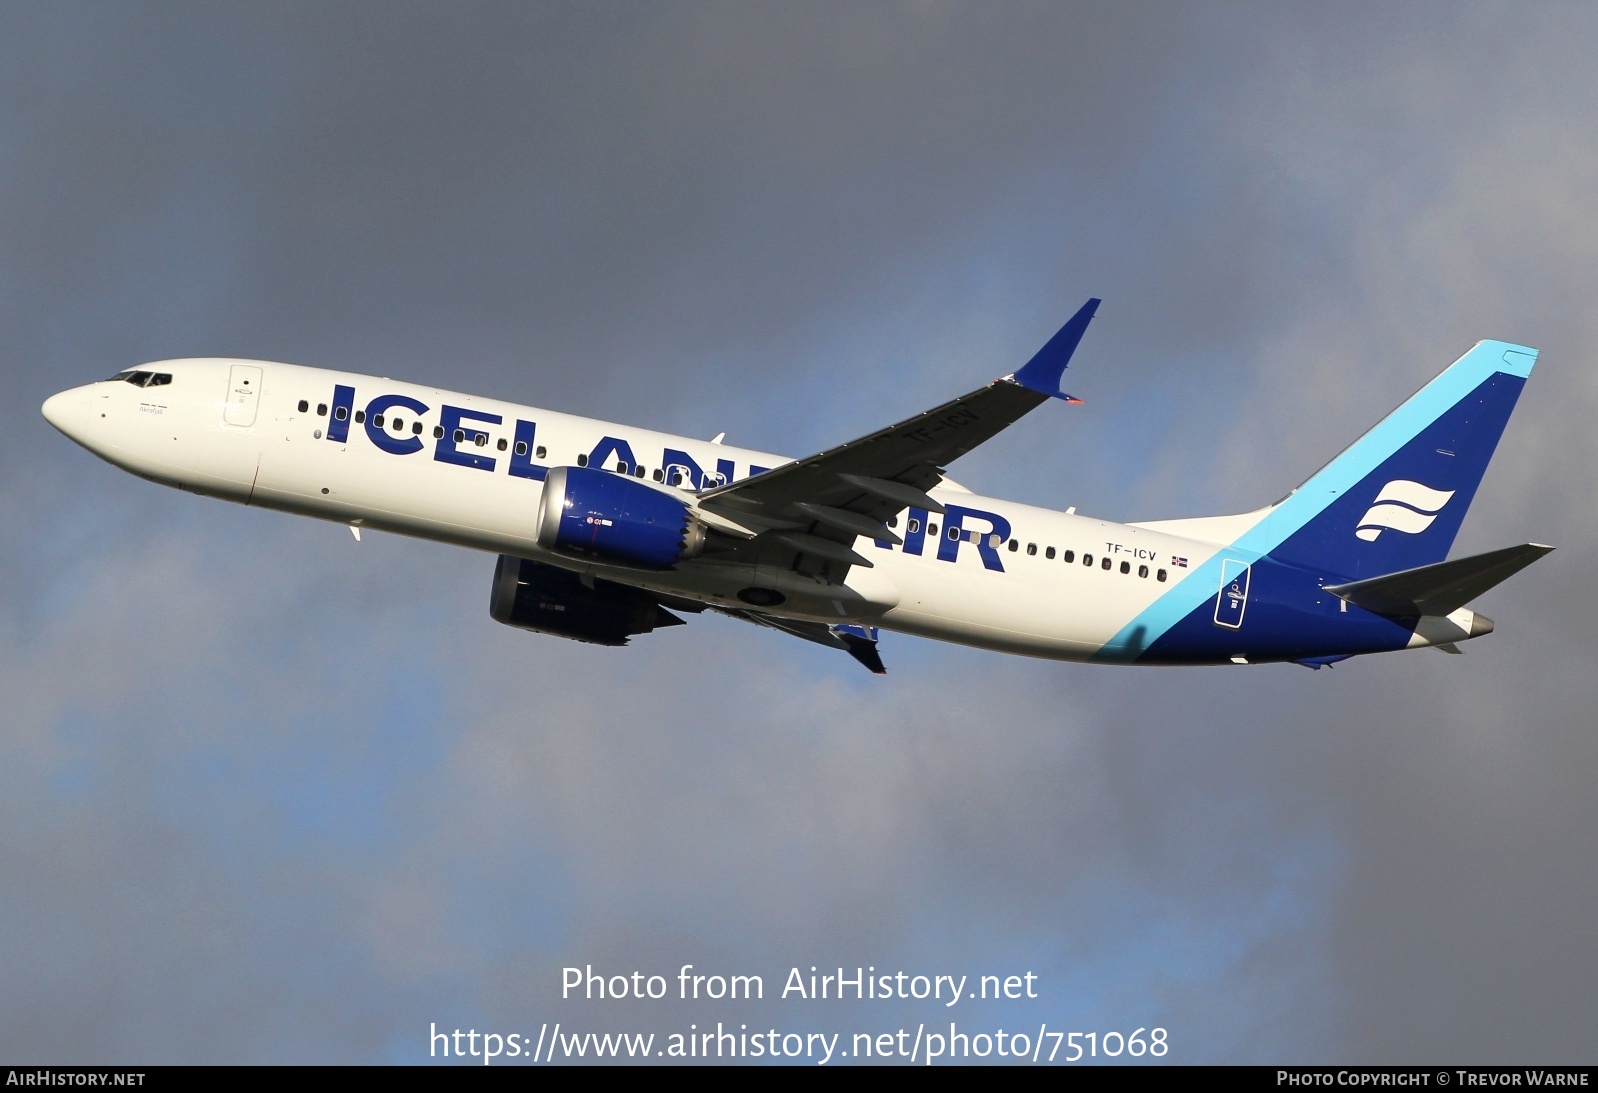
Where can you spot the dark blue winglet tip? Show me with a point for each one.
(1046, 369)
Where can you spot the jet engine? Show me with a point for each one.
(593, 513)
(551, 600)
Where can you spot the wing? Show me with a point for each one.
(859, 642)
(806, 515)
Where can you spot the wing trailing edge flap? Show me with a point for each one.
(1441, 588)
(859, 642)
(852, 490)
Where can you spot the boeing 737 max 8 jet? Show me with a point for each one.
(603, 531)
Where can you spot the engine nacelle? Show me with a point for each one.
(609, 517)
(551, 600)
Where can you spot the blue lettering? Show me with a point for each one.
(915, 531)
(609, 446)
(379, 436)
(955, 533)
(338, 423)
(521, 456)
(450, 417)
(681, 463)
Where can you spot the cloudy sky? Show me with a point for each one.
(267, 795)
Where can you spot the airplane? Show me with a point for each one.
(605, 532)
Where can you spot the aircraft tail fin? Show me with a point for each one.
(1395, 498)
(1439, 589)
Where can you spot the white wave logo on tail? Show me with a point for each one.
(1402, 506)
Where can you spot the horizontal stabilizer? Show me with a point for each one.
(1438, 589)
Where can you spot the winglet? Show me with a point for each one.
(861, 643)
(1046, 369)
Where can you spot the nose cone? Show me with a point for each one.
(68, 411)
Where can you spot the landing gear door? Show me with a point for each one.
(1233, 596)
(243, 394)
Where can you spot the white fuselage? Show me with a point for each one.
(237, 430)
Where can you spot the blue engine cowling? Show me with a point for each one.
(598, 514)
(551, 600)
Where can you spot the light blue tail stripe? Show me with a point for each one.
(1303, 505)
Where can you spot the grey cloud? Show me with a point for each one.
(273, 796)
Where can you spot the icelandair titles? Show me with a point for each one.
(458, 429)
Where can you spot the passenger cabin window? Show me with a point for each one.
(459, 437)
(932, 530)
(582, 459)
(416, 427)
(953, 533)
(540, 452)
(1087, 559)
(1142, 571)
(1049, 553)
(521, 447)
(913, 526)
(360, 417)
(503, 444)
(438, 432)
(377, 419)
(658, 475)
(340, 413)
(321, 409)
(1106, 564)
(1015, 545)
(1126, 567)
(1068, 556)
(1160, 576)
(304, 406)
(1032, 548)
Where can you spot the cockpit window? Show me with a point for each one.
(144, 379)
